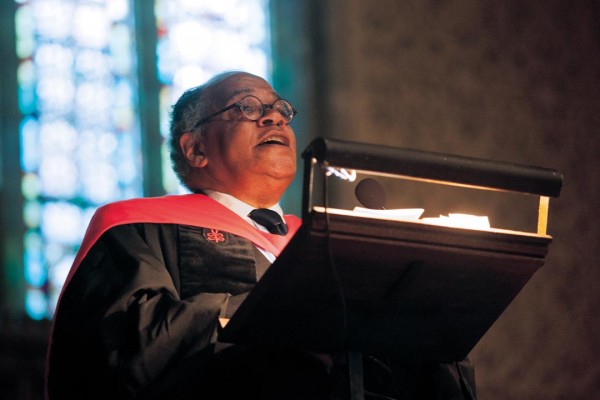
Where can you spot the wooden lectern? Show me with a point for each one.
(398, 287)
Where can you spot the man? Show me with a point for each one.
(139, 312)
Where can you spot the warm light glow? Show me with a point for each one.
(457, 220)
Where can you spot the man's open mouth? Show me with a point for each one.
(274, 139)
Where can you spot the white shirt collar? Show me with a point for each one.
(239, 207)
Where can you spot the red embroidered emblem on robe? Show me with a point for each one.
(214, 235)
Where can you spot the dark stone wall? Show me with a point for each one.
(508, 80)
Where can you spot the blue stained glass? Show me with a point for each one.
(25, 32)
(27, 99)
(123, 116)
(120, 43)
(30, 152)
(36, 304)
(58, 177)
(93, 101)
(61, 222)
(91, 63)
(57, 137)
(26, 79)
(54, 56)
(126, 151)
(32, 216)
(103, 183)
(52, 17)
(55, 94)
(54, 252)
(118, 9)
(107, 144)
(57, 274)
(77, 93)
(35, 273)
(91, 26)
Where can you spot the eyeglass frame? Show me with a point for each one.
(238, 105)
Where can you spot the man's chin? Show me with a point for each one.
(287, 176)
(284, 173)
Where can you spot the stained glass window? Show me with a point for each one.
(79, 134)
(198, 39)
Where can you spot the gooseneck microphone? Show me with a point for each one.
(370, 194)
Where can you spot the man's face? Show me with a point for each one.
(247, 158)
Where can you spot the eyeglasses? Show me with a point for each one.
(253, 109)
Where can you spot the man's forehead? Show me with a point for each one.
(235, 86)
(248, 90)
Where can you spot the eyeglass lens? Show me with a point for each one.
(253, 108)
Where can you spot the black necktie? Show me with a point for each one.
(270, 220)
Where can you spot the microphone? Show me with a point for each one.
(370, 194)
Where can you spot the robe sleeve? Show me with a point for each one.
(121, 318)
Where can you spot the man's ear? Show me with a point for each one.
(193, 150)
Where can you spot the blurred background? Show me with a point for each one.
(86, 88)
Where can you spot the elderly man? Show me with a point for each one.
(138, 315)
(139, 311)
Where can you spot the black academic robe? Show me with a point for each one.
(138, 319)
(143, 298)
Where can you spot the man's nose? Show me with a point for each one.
(271, 117)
